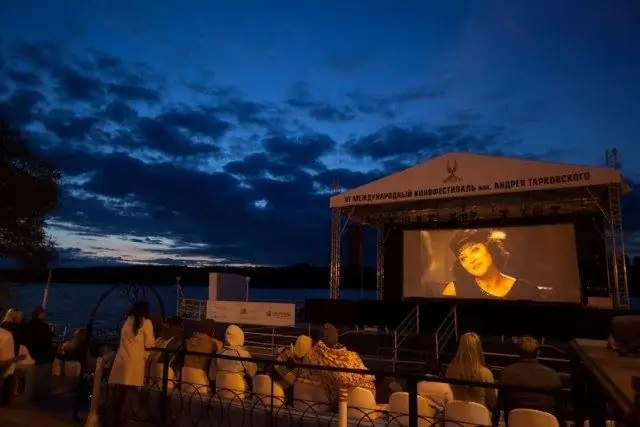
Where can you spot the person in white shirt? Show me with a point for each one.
(8, 361)
(128, 368)
(12, 325)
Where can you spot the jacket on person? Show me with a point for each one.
(338, 357)
(480, 395)
(201, 343)
(15, 329)
(128, 367)
(296, 353)
(7, 353)
(529, 373)
(38, 339)
(234, 341)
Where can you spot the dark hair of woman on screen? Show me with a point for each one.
(479, 268)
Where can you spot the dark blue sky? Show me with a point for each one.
(213, 131)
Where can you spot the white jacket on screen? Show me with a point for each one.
(128, 366)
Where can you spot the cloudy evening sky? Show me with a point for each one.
(213, 131)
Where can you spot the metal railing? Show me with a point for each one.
(192, 308)
(59, 332)
(273, 339)
(410, 325)
(448, 329)
(168, 400)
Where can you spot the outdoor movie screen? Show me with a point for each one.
(537, 263)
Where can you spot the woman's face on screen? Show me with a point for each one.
(476, 259)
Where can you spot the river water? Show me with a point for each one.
(72, 303)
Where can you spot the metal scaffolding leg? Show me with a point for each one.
(336, 237)
(620, 291)
(615, 234)
(381, 239)
(338, 228)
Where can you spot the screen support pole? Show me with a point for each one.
(619, 291)
(382, 232)
(338, 227)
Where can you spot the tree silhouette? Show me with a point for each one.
(29, 191)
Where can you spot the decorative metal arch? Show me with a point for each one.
(133, 293)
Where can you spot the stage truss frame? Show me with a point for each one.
(611, 211)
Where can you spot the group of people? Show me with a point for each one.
(131, 363)
(468, 364)
(25, 342)
(141, 331)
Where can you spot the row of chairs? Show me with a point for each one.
(434, 400)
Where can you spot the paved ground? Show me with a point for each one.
(56, 412)
(24, 417)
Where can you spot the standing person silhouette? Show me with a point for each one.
(128, 369)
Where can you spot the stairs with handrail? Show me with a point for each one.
(409, 326)
(447, 330)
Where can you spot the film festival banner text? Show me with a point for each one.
(470, 189)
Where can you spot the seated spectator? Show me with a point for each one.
(285, 376)
(528, 372)
(329, 352)
(202, 341)
(171, 337)
(73, 350)
(173, 329)
(394, 387)
(158, 323)
(233, 346)
(468, 364)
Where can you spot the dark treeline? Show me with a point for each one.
(298, 276)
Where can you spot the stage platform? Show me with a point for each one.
(559, 322)
(415, 354)
(605, 381)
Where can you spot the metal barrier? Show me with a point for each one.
(192, 309)
(169, 401)
(273, 340)
(59, 332)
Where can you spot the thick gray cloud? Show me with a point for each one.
(227, 177)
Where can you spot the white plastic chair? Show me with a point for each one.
(609, 423)
(155, 377)
(28, 360)
(437, 393)
(531, 418)
(64, 368)
(399, 410)
(230, 386)
(194, 381)
(458, 413)
(309, 396)
(361, 405)
(269, 392)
